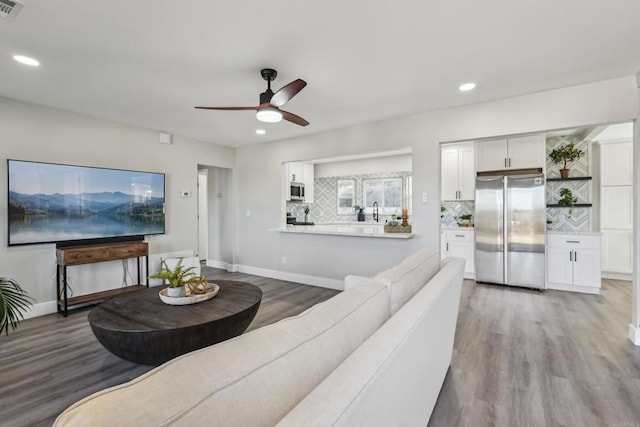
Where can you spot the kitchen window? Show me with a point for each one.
(386, 191)
(346, 196)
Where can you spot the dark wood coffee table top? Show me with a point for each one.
(141, 328)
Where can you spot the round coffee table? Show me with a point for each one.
(141, 328)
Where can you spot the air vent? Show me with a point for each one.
(9, 9)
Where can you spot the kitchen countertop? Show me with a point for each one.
(354, 229)
(575, 233)
(455, 227)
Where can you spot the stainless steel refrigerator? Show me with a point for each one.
(510, 227)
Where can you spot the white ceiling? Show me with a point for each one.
(149, 62)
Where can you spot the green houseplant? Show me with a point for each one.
(567, 199)
(464, 220)
(565, 154)
(177, 278)
(14, 301)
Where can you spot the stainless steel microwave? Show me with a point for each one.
(296, 191)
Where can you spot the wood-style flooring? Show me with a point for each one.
(521, 358)
(530, 358)
(51, 362)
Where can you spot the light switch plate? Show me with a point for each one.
(424, 197)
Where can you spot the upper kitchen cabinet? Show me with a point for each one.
(522, 152)
(457, 171)
(303, 173)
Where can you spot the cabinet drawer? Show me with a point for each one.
(460, 235)
(573, 241)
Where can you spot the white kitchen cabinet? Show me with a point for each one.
(617, 251)
(301, 172)
(523, 152)
(460, 243)
(616, 163)
(573, 262)
(616, 207)
(458, 173)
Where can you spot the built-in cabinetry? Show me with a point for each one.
(300, 172)
(458, 172)
(616, 208)
(459, 242)
(523, 152)
(573, 262)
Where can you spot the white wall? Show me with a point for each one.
(330, 257)
(363, 166)
(30, 132)
(220, 217)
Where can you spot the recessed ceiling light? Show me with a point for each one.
(26, 60)
(261, 131)
(467, 87)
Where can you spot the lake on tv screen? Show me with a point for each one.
(46, 228)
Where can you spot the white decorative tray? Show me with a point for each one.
(212, 291)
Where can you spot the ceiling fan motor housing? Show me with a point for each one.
(265, 96)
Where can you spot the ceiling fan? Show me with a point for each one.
(269, 109)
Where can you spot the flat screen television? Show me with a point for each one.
(54, 203)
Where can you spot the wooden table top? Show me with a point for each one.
(143, 311)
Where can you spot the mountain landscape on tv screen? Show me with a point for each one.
(85, 204)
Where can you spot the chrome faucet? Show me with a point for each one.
(376, 216)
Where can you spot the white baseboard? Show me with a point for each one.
(634, 334)
(617, 276)
(41, 309)
(574, 288)
(322, 282)
(217, 264)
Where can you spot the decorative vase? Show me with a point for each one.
(361, 215)
(306, 217)
(564, 173)
(178, 292)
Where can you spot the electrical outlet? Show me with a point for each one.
(248, 212)
(424, 197)
(284, 259)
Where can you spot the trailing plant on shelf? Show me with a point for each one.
(567, 199)
(14, 302)
(565, 154)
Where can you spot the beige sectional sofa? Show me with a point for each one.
(373, 355)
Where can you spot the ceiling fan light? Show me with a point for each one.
(269, 115)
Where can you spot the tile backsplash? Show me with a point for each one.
(454, 209)
(324, 208)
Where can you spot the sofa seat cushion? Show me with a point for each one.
(406, 278)
(250, 380)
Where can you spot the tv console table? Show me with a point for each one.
(78, 255)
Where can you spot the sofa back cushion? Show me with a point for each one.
(251, 380)
(408, 277)
(395, 376)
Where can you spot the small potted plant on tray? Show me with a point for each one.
(177, 278)
(565, 154)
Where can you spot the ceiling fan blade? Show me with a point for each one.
(293, 118)
(287, 92)
(229, 108)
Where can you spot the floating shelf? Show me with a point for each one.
(571, 178)
(577, 205)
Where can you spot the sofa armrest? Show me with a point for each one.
(351, 281)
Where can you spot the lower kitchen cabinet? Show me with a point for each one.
(573, 262)
(460, 243)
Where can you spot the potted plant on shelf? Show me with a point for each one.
(14, 301)
(565, 154)
(177, 278)
(567, 199)
(360, 212)
(464, 220)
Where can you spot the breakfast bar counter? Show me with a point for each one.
(362, 229)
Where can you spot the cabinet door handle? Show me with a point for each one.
(447, 246)
(570, 255)
(509, 161)
(575, 256)
(505, 162)
(459, 235)
(573, 241)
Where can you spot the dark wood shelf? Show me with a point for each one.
(577, 205)
(571, 178)
(100, 296)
